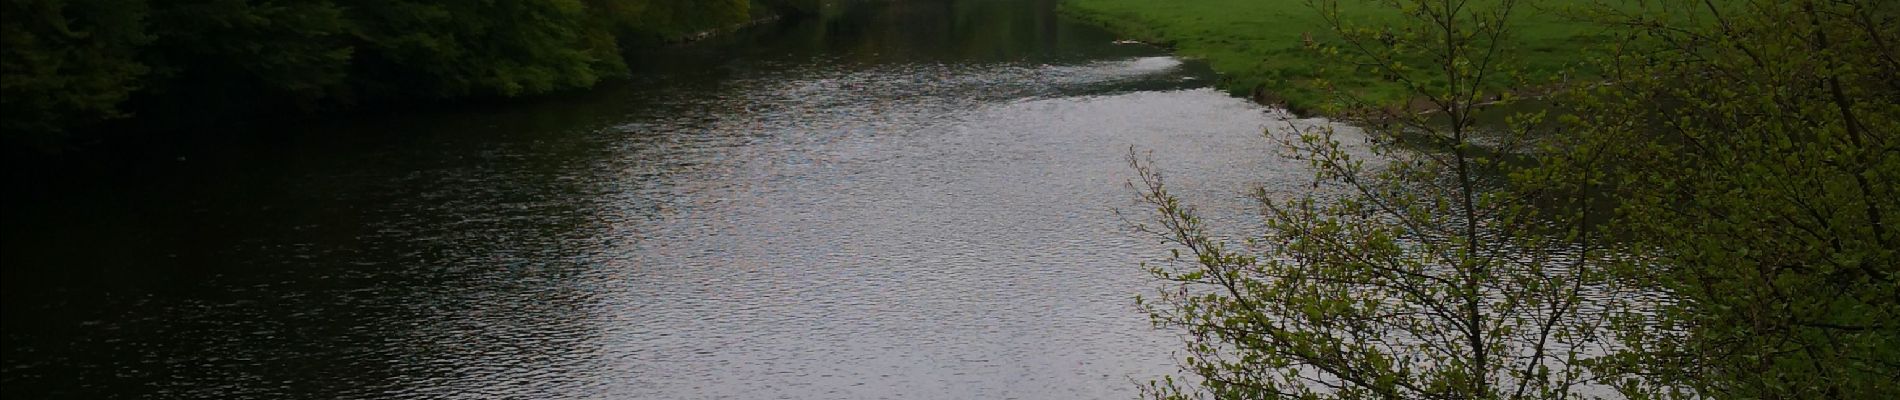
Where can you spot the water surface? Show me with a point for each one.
(895, 200)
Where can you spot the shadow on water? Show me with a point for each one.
(905, 199)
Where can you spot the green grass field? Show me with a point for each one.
(1257, 45)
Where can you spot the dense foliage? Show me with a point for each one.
(72, 64)
(67, 63)
(1758, 153)
(1711, 219)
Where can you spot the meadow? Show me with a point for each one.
(1259, 46)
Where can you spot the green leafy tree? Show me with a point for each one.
(1755, 145)
(65, 64)
(183, 65)
(447, 49)
(222, 59)
(1410, 272)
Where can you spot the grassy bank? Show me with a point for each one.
(1258, 45)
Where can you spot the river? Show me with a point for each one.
(894, 200)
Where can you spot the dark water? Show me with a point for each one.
(896, 200)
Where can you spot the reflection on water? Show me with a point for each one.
(909, 200)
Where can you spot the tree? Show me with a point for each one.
(1755, 177)
(220, 60)
(417, 49)
(185, 65)
(65, 64)
(1410, 272)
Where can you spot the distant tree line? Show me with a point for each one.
(70, 65)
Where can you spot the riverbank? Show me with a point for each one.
(1258, 46)
(81, 76)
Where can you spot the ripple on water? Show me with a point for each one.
(923, 246)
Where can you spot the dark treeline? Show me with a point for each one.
(75, 70)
